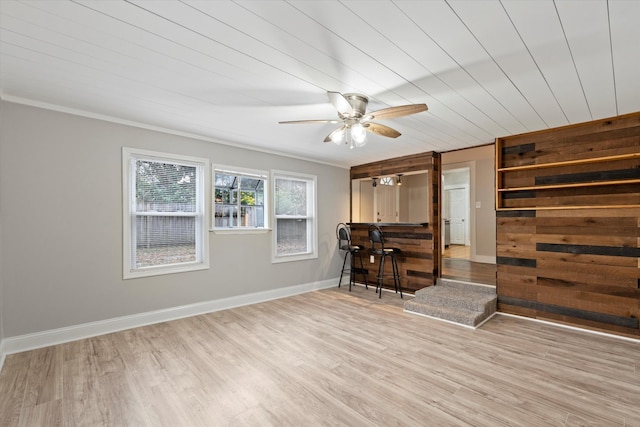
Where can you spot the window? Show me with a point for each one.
(164, 211)
(295, 217)
(386, 180)
(239, 200)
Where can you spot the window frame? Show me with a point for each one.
(129, 157)
(251, 173)
(311, 217)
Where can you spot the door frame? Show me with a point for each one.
(467, 216)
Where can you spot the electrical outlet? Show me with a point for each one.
(371, 259)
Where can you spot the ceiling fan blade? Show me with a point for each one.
(309, 121)
(382, 130)
(391, 112)
(340, 102)
(328, 138)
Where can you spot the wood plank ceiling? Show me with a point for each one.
(228, 71)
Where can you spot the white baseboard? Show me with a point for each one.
(2, 354)
(86, 330)
(485, 259)
(574, 328)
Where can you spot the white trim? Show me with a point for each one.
(485, 259)
(486, 320)
(471, 194)
(236, 170)
(467, 210)
(451, 322)
(203, 179)
(574, 328)
(92, 329)
(2, 354)
(296, 257)
(240, 230)
(311, 205)
(250, 173)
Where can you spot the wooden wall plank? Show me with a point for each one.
(405, 164)
(572, 259)
(420, 260)
(589, 240)
(594, 127)
(612, 261)
(594, 213)
(415, 262)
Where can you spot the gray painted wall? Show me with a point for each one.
(61, 246)
(486, 214)
(1, 259)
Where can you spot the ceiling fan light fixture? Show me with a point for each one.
(358, 134)
(338, 136)
(352, 113)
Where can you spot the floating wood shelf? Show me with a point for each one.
(570, 162)
(547, 208)
(502, 174)
(571, 185)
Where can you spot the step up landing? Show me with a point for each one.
(467, 304)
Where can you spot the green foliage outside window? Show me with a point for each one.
(291, 197)
(165, 183)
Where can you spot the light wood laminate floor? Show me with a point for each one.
(469, 271)
(327, 358)
(456, 264)
(457, 251)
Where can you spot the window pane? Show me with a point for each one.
(165, 187)
(250, 184)
(292, 236)
(259, 194)
(239, 200)
(247, 198)
(223, 195)
(224, 180)
(162, 240)
(226, 216)
(252, 216)
(294, 211)
(163, 214)
(291, 197)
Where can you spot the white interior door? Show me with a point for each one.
(386, 199)
(458, 211)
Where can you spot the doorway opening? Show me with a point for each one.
(455, 214)
(458, 249)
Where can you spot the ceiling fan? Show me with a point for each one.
(356, 121)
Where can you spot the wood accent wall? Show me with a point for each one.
(420, 261)
(416, 162)
(568, 224)
(415, 261)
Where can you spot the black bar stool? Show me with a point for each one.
(344, 243)
(377, 248)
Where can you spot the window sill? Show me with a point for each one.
(291, 258)
(162, 270)
(240, 230)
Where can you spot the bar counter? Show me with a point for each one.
(415, 261)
